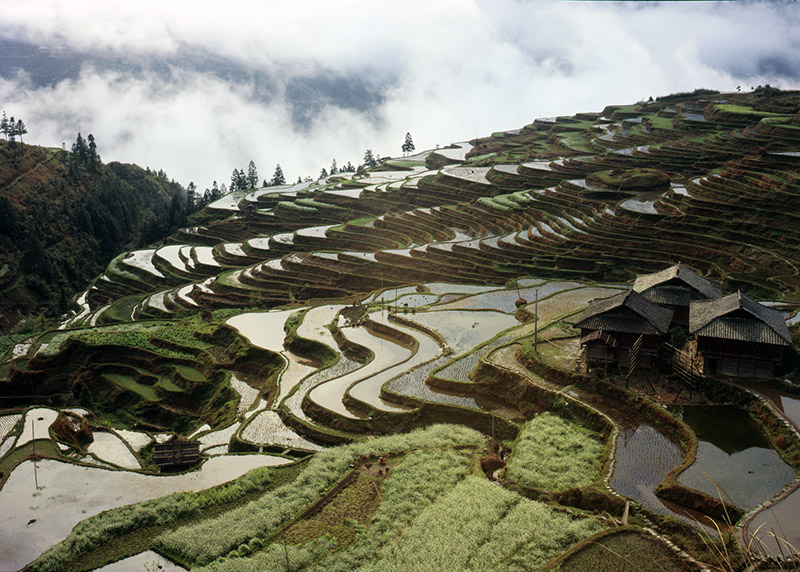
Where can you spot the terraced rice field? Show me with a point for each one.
(520, 214)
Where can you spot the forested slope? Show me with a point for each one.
(64, 216)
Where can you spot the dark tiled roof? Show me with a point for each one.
(599, 335)
(657, 280)
(758, 324)
(609, 314)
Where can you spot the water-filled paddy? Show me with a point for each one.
(387, 354)
(109, 447)
(505, 300)
(145, 561)
(247, 395)
(343, 367)
(412, 383)
(172, 255)
(33, 520)
(143, 259)
(263, 329)
(267, 428)
(444, 288)
(734, 453)
(644, 457)
(369, 390)
(463, 330)
(777, 529)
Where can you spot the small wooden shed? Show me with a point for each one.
(737, 336)
(176, 454)
(676, 287)
(611, 327)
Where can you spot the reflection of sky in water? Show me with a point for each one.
(70, 493)
(782, 520)
(747, 477)
(791, 408)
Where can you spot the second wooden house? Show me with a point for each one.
(737, 336)
(612, 327)
(676, 287)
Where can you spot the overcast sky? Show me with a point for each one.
(199, 91)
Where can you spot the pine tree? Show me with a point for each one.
(191, 197)
(252, 176)
(369, 159)
(91, 154)
(323, 173)
(4, 126)
(334, 169)
(408, 145)
(21, 130)
(277, 176)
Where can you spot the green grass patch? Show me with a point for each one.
(135, 339)
(128, 530)
(553, 454)
(480, 526)
(129, 384)
(626, 551)
(203, 543)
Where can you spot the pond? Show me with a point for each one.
(34, 520)
(733, 453)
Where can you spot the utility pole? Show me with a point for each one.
(536, 323)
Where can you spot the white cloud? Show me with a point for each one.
(446, 68)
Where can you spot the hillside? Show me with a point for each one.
(390, 341)
(60, 227)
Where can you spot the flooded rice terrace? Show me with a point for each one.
(33, 519)
(734, 460)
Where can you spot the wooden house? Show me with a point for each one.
(737, 336)
(612, 327)
(676, 287)
(176, 454)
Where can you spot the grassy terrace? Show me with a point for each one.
(431, 505)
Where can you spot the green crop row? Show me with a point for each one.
(202, 543)
(554, 454)
(96, 530)
(139, 340)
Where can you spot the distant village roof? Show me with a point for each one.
(738, 317)
(627, 312)
(675, 285)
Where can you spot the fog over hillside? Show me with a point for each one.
(198, 92)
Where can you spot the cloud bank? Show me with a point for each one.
(199, 92)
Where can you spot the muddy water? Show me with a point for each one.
(734, 460)
(31, 520)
